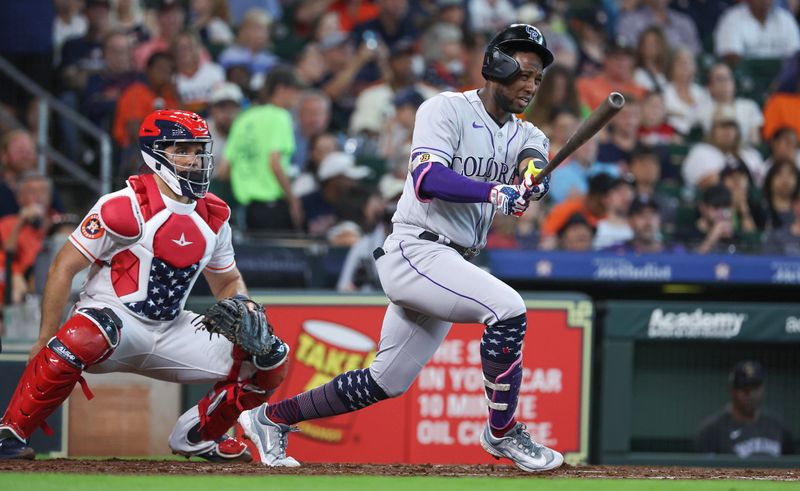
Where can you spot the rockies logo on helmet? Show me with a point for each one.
(499, 65)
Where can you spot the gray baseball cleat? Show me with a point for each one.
(271, 439)
(518, 446)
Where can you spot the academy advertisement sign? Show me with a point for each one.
(440, 418)
(703, 320)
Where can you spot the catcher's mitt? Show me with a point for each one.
(240, 320)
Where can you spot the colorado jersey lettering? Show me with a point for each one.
(454, 129)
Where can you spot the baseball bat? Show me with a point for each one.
(599, 118)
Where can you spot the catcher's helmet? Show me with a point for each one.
(165, 128)
(499, 65)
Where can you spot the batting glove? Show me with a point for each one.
(509, 199)
(535, 192)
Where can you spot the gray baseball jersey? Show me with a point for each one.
(454, 129)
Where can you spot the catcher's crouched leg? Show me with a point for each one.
(200, 431)
(87, 338)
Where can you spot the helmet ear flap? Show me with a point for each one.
(498, 65)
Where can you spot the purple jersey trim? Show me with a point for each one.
(437, 181)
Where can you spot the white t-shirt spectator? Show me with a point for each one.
(195, 90)
(705, 159)
(682, 115)
(748, 116)
(611, 234)
(739, 33)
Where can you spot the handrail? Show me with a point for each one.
(48, 101)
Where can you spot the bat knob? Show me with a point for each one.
(616, 100)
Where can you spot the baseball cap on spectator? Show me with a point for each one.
(602, 183)
(333, 40)
(340, 164)
(746, 373)
(575, 219)
(408, 96)
(403, 46)
(642, 202)
(724, 115)
(168, 4)
(226, 92)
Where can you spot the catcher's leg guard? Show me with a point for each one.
(220, 408)
(501, 357)
(88, 337)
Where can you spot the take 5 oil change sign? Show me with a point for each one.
(440, 418)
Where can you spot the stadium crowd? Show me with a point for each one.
(311, 104)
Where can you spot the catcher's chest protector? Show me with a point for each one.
(152, 275)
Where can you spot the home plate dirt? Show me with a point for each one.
(117, 466)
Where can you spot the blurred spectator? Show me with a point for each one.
(225, 104)
(313, 119)
(239, 9)
(644, 219)
(103, 89)
(396, 134)
(22, 233)
(645, 169)
(260, 148)
(17, 158)
(318, 148)
(392, 23)
(55, 238)
(374, 105)
(706, 159)
(560, 127)
(614, 228)
(194, 78)
(240, 75)
(445, 56)
(210, 19)
(310, 65)
(755, 29)
(26, 41)
(576, 234)
(557, 91)
(622, 137)
(783, 146)
(684, 98)
(343, 65)
(617, 75)
(781, 110)
(705, 14)
(127, 17)
(714, 230)
(678, 28)
(358, 212)
(454, 12)
(722, 88)
(502, 233)
(83, 56)
(170, 22)
(250, 49)
(338, 175)
(590, 27)
(488, 16)
(745, 199)
(348, 12)
(652, 56)
(359, 272)
(781, 184)
(69, 23)
(592, 207)
(142, 98)
(571, 179)
(786, 240)
(654, 129)
(743, 427)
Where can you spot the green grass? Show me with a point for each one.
(61, 482)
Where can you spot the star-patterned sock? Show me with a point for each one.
(347, 392)
(501, 347)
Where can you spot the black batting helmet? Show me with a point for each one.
(499, 65)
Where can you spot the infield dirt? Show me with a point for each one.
(155, 467)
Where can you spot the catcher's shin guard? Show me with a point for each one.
(220, 408)
(88, 337)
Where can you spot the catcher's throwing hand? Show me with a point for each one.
(242, 321)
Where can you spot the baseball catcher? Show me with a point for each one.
(146, 246)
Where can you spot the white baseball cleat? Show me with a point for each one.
(518, 446)
(271, 439)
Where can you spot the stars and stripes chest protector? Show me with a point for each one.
(153, 277)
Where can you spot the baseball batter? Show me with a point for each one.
(146, 245)
(468, 154)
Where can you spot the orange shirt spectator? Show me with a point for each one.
(782, 109)
(563, 211)
(617, 76)
(349, 16)
(140, 99)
